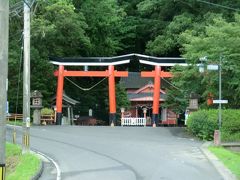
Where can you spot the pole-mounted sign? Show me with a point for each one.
(220, 101)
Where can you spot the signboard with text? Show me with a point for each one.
(220, 101)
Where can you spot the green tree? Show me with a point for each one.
(169, 41)
(60, 30)
(104, 20)
(57, 30)
(218, 38)
(221, 38)
(186, 80)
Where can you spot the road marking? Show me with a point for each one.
(54, 162)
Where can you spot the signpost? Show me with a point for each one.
(217, 133)
(220, 101)
(216, 67)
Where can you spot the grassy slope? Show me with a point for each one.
(230, 159)
(20, 167)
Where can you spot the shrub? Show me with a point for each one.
(231, 125)
(203, 123)
(47, 111)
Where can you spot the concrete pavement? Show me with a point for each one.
(123, 153)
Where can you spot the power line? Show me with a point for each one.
(17, 8)
(219, 5)
(172, 84)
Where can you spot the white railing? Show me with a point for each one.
(133, 121)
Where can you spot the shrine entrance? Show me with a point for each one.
(111, 73)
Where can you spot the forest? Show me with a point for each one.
(164, 28)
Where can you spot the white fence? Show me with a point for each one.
(133, 121)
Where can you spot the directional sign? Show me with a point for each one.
(220, 101)
(213, 67)
(7, 107)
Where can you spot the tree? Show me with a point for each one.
(181, 86)
(166, 20)
(109, 27)
(57, 30)
(60, 29)
(221, 38)
(218, 38)
(169, 41)
(104, 20)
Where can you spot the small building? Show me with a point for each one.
(140, 94)
(68, 105)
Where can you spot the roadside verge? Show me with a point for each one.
(222, 170)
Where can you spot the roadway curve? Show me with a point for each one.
(122, 153)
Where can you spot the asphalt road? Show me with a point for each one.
(122, 153)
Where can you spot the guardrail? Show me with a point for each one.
(12, 116)
(133, 121)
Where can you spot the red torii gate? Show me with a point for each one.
(111, 74)
(157, 74)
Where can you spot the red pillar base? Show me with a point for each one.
(59, 118)
(112, 119)
(155, 119)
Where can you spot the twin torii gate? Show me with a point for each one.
(157, 74)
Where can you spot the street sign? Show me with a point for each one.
(213, 67)
(7, 107)
(220, 101)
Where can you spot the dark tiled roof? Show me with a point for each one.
(102, 60)
(134, 81)
(67, 99)
(142, 95)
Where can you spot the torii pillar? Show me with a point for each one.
(112, 96)
(157, 74)
(60, 83)
(110, 73)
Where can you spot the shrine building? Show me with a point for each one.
(140, 94)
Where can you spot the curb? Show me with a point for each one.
(219, 166)
(39, 172)
(44, 156)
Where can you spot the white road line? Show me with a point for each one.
(54, 162)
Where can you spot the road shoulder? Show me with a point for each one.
(224, 171)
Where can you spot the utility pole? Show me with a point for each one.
(26, 78)
(4, 20)
(220, 98)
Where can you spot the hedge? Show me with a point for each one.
(203, 123)
(47, 111)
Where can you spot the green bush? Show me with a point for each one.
(203, 123)
(47, 111)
